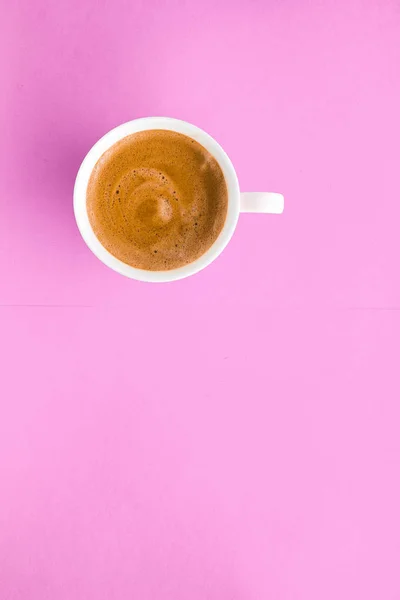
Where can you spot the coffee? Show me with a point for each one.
(157, 200)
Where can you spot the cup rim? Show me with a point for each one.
(144, 124)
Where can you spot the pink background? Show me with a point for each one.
(233, 436)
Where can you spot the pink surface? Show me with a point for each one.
(233, 436)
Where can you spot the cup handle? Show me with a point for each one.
(261, 202)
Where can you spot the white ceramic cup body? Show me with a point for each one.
(145, 124)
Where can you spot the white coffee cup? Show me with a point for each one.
(259, 202)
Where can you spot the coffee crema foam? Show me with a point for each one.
(157, 200)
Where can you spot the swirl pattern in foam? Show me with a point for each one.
(157, 200)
